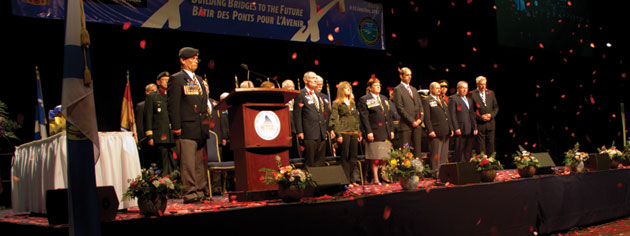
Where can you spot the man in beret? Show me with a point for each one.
(188, 113)
(157, 125)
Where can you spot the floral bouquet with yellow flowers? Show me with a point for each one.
(402, 164)
(523, 159)
(484, 162)
(287, 176)
(574, 157)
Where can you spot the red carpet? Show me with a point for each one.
(221, 203)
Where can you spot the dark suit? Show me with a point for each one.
(296, 147)
(462, 118)
(410, 108)
(485, 138)
(188, 111)
(436, 120)
(157, 127)
(144, 150)
(376, 118)
(311, 121)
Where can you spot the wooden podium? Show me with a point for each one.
(260, 130)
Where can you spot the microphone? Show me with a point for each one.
(244, 66)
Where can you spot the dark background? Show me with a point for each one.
(544, 93)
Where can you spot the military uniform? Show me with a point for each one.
(157, 126)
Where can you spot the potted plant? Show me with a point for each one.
(616, 156)
(486, 165)
(405, 168)
(293, 183)
(626, 155)
(525, 162)
(152, 191)
(6, 129)
(575, 159)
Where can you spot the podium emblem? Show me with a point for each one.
(267, 125)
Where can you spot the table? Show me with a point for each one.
(42, 165)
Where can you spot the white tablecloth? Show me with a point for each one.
(42, 165)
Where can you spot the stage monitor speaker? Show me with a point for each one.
(57, 204)
(459, 173)
(597, 161)
(330, 179)
(546, 163)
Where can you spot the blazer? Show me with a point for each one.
(436, 117)
(139, 116)
(344, 118)
(491, 107)
(409, 109)
(308, 118)
(156, 122)
(462, 117)
(188, 110)
(376, 118)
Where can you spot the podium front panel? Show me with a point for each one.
(247, 165)
(260, 125)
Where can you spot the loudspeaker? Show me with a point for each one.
(330, 179)
(546, 163)
(597, 161)
(459, 173)
(57, 204)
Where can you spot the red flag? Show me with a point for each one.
(127, 118)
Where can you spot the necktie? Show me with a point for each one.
(410, 93)
(466, 102)
(315, 99)
(483, 97)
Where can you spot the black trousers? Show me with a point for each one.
(485, 139)
(414, 138)
(349, 149)
(166, 162)
(463, 148)
(314, 152)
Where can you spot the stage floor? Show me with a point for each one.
(357, 195)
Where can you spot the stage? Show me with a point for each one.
(508, 206)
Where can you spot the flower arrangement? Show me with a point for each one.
(7, 125)
(574, 156)
(287, 176)
(150, 185)
(613, 152)
(523, 159)
(485, 162)
(402, 164)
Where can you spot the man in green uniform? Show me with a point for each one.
(158, 127)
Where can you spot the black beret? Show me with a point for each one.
(188, 52)
(162, 74)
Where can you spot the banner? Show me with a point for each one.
(355, 23)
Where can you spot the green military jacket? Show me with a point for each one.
(156, 122)
(344, 118)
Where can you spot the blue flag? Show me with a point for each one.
(81, 131)
(40, 118)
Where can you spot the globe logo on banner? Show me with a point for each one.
(267, 125)
(369, 31)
